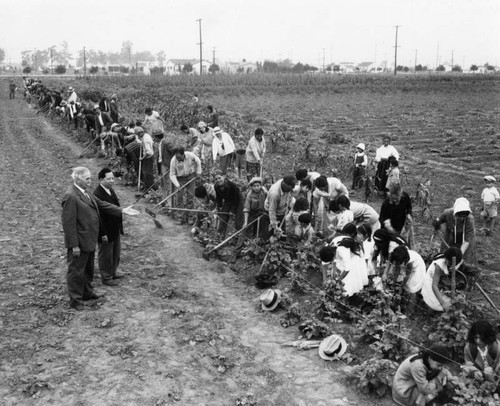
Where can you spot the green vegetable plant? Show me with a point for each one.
(373, 376)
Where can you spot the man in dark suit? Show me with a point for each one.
(113, 108)
(80, 220)
(110, 231)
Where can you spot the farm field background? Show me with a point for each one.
(189, 332)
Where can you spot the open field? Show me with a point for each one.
(184, 331)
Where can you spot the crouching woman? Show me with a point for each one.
(420, 378)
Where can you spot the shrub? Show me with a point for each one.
(374, 375)
(60, 69)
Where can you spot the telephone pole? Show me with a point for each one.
(437, 57)
(323, 59)
(213, 56)
(51, 63)
(84, 63)
(415, 60)
(396, 51)
(201, 49)
(452, 60)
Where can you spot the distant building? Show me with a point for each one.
(176, 66)
(367, 67)
(347, 67)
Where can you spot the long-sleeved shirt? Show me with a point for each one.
(335, 188)
(189, 166)
(254, 202)
(396, 212)
(277, 202)
(147, 146)
(255, 150)
(223, 146)
(227, 195)
(384, 153)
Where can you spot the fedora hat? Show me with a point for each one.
(270, 299)
(490, 178)
(332, 347)
(217, 130)
(70, 89)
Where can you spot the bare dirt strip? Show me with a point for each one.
(179, 330)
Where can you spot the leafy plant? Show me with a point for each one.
(314, 329)
(292, 315)
(374, 375)
(473, 392)
(452, 328)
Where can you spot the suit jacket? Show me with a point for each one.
(106, 119)
(104, 105)
(113, 110)
(111, 226)
(81, 218)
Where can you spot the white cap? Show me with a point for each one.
(361, 146)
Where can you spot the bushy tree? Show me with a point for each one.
(27, 69)
(93, 70)
(270, 67)
(60, 69)
(440, 68)
(214, 68)
(474, 68)
(187, 68)
(456, 68)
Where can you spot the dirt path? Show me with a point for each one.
(179, 330)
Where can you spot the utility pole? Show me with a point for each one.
(452, 60)
(323, 59)
(201, 49)
(213, 56)
(84, 63)
(396, 51)
(437, 57)
(415, 60)
(35, 62)
(51, 63)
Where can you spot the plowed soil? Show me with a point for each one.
(178, 330)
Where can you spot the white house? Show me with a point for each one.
(367, 67)
(347, 67)
(175, 66)
(204, 64)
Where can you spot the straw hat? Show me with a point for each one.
(332, 347)
(490, 178)
(270, 299)
(361, 146)
(217, 130)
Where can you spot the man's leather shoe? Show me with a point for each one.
(94, 295)
(110, 283)
(118, 276)
(77, 306)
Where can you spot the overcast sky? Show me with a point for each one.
(356, 31)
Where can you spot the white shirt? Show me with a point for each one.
(225, 141)
(386, 152)
(490, 195)
(255, 150)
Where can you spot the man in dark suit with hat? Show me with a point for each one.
(110, 231)
(81, 217)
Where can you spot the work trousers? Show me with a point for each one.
(184, 198)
